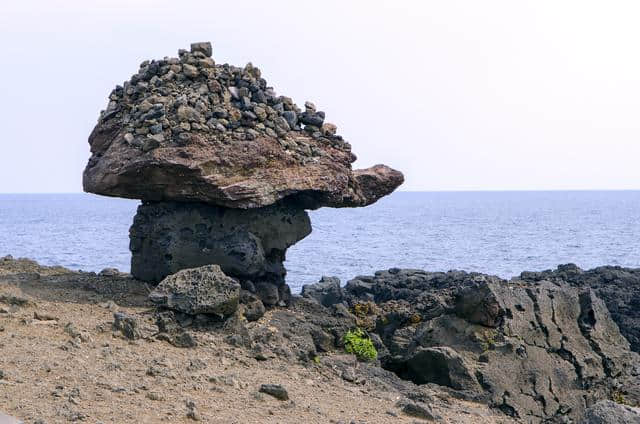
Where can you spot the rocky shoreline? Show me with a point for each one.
(206, 329)
(451, 347)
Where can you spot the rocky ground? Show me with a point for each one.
(63, 361)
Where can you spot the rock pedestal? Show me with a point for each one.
(247, 244)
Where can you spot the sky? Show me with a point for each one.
(459, 95)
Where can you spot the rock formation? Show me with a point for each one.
(225, 169)
(618, 287)
(537, 351)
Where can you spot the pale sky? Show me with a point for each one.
(459, 95)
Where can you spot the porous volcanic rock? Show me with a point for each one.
(187, 129)
(537, 351)
(204, 290)
(247, 244)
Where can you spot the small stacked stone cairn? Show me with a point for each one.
(225, 169)
(169, 100)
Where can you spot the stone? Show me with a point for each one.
(291, 118)
(326, 292)
(192, 411)
(109, 272)
(190, 70)
(202, 47)
(607, 412)
(251, 160)
(275, 390)
(247, 244)
(204, 290)
(329, 129)
(417, 410)
(309, 107)
(313, 119)
(127, 325)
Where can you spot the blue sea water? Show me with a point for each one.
(501, 233)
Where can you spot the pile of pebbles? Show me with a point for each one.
(170, 100)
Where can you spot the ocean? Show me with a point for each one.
(500, 233)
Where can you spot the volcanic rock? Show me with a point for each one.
(537, 351)
(618, 287)
(247, 244)
(187, 129)
(204, 290)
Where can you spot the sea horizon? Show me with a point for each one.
(500, 233)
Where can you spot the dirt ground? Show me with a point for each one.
(60, 361)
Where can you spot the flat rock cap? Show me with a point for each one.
(189, 130)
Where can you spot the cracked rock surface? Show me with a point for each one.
(618, 287)
(537, 351)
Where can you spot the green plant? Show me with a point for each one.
(618, 397)
(487, 340)
(357, 342)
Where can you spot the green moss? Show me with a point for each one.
(618, 397)
(358, 343)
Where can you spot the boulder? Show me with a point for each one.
(204, 290)
(188, 130)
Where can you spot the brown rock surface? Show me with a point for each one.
(186, 129)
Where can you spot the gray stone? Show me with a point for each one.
(291, 118)
(127, 325)
(109, 272)
(417, 409)
(202, 47)
(275, 390)
(190, 70)
(204, 290)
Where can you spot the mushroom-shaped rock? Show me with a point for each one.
(204, 290)
(225, 169)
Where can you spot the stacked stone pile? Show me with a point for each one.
(225, 169)
(170, 99)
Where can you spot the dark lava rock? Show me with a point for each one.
(327, 292)
(618, 287)
(275, 390)
(537, 351)
(417, 409)
(204, 290)
(127, 325)
(247, 244)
